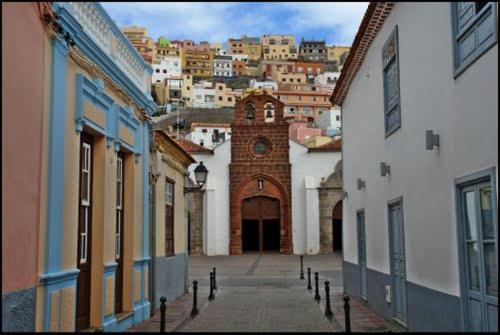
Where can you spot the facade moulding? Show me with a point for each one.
(106, 59)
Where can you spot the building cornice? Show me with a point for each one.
(374, 18)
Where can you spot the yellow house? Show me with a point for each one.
(226, 97)
(335, 51)
(289, 77)
(94, 261)
(169, 163)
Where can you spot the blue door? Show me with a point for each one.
(398, 262)
(479, 260)
(362, 254)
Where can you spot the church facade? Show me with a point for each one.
(264, 191)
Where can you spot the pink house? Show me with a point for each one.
(299, 131)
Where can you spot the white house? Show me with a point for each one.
(203, 95)
(241, 57)
(169, 67)
(330, 120)
(209, 135)
(223, 66)
(419, 98)
(328, 77)
(265, 85)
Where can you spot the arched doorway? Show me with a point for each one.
(260, 224)
(337, 227)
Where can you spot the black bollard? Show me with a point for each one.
(211, 295)
(316, 280)
(301, 267)
(309, 287)
(163, 310)
(215, 281)
(328, 309)
(347, 315)
(194, 311)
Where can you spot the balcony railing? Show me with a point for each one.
(100, 28)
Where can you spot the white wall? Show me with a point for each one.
(198, 97)
(171, 64)
(197, 136)
(463, 111)
(223, 67)
(305, 201)
(216, 199)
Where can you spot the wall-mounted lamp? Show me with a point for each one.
(431, 140)
(261, 184)
(384, 169)
(361, 183)
(200, 175)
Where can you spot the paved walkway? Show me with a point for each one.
(263, 293)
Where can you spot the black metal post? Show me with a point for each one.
(328, 309)
(163, 310)
(301, 267)
(347, 314)
(194, 311)
(316, 280)
(211, 296)
(215, 281)
(309, 287)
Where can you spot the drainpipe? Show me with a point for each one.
(154, 172)
(152, 243)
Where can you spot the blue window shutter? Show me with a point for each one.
(390, 61)
(474, 31)
(465, 12)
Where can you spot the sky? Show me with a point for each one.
(335, 22)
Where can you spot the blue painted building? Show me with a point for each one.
(94, 263)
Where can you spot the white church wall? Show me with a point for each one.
(216, 199)
(310, 166)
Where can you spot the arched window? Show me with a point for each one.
(250, 111)
(269, 112)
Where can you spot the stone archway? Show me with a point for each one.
(270, 188)
(330, 194)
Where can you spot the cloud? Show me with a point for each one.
(216, 22)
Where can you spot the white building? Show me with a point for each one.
(223, 66)
(328, 77)
(308, 170)
(169, 67)
(330, 120)
(265, 85)
(203, 95)
(209, 135)
(241, 57)
(421, 235)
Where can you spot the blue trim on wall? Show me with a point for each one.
(54, 282)
(102, 59)
(92, 91)
(57, 126)
(145, 190)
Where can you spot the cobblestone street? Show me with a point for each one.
(263, 293)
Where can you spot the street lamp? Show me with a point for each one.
(200, 175)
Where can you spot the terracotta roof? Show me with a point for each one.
(193, 148)
(374, 18)
(174, 143)
(335, 145)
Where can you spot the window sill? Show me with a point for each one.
(387, 134)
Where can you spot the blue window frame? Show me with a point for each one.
(474, 31)
(392, 101)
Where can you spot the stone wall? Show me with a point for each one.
(330, 194)
(195, 210)
(247, 167)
